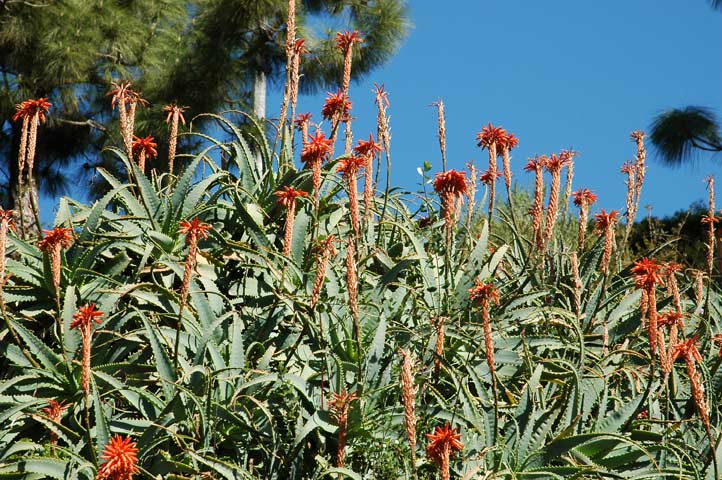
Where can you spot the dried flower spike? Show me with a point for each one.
(175, 114)
(408, 395)
(340, 407)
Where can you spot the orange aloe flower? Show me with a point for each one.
(303, 120)
(605, 225)
(583, 198)
(491, 138)
(488, 177)
(442, 443)
(450, 185)
(349, 168)
(120, 460)
(287, 198)
(83, 320)
(647, 274)
(368, 149)
(554, 164)
(325, 248)
(347, 39)
(32, 112)
(193, 230)
(509, 143)
(52, 244)
(337, 107)
(144, 149)
(688, 351)
(316, 151)
(345, 42)
(55, 413)
(536, 165)
(175, 114)
(483, 294)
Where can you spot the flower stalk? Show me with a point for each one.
(408, 395)
(83, 320)
(340, 408)
(175, 115)
(647, 275)
(605, 225)
(583, 198)
(287, 198)
(490, 138)
(537, 165)
(442, 444)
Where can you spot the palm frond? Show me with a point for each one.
(679, 133)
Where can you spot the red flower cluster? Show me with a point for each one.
(29, 108)
(301, 119)
(58, 236)
(481, 292)
(350, 165)
(317, 149)
(647, 273)
(604, 219)
(172, 109)
(366, 147)
(55, 410)
(489, 176)
(491, 135)
(346, 39)
(145, 145)
(121, 460)
(555, 162)
(336, 104)
(287, 196)
(86, 316)
(510, 142)
(534, 163)
(687, 349)
(122, 91)
(299, 47)
(584, 196)
(452, 182)
(194, 229)
(440, 440)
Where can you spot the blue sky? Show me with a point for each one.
(558, 73)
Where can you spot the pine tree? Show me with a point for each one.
(204, 54)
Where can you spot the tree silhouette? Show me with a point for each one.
(204, 54)
(678, 134)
